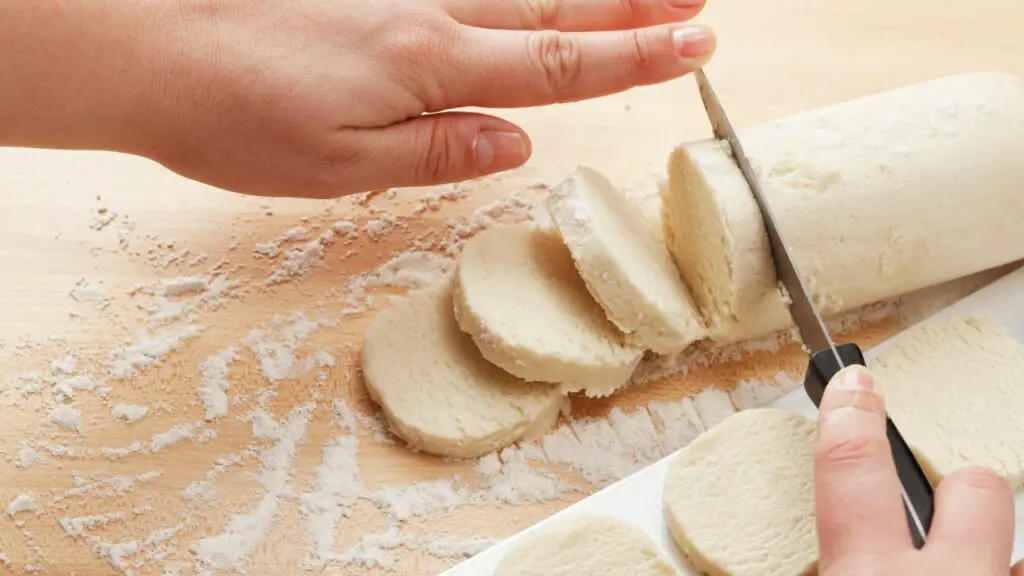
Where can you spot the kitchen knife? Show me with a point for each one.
(826, 359)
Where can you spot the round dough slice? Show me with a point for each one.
(519, 296)
(586, 545)
(739, 500)
(438, 393)
(625, 267)
(978, 365)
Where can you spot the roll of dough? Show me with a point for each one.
(438, 393)
(876, 197)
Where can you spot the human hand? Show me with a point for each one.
(328, 97)
(862, 527)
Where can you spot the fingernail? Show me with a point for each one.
(693, 41)
(495, 149)
(855, 378)
(685, 3)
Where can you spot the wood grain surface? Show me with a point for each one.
(774, 58)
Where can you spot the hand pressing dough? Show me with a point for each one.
(877, 197)
(438, 393)
(586, 545)
(739, 500)
(956, 392)
(624, 265)
(519, 296)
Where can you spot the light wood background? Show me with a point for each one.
(774, 58)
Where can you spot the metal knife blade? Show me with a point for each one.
(806, 317)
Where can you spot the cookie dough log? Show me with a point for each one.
(955, 389)
(877, 197)
(438, 393)
(739, 500)
(519, 296)
(586, 545)
(624, 265)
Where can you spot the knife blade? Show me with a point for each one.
(805, 315)
(826, 359)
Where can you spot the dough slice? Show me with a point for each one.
(956, 391)
(586, 545)
(519, 296)
(439, 394)
(739, 500)
(625, 267)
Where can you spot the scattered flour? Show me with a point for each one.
(21, 503)
(277, 356)
(413, 270)
(455, 548)
(27, 456)
(129, 413)
(213, 390)
(63, 366)
(66, 416)
(176, 434)
(95, 293)
(77, 526)
(243, 534)
(401, 503)
(338, 486)
(149, 349)
(66, 387)
(372, 550)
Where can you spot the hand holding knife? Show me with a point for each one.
(826, 358)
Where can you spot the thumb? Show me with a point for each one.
(857, 491)
(437, 149)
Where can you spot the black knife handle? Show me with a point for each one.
(820, 371)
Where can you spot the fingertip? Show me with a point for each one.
(500, 149)
(854, 388)
(694, 44)
(974, 516)
(980, 480)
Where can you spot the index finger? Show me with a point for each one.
(571, 15)
(859, 506)
(513, 68)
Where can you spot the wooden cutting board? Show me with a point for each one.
(774, 58)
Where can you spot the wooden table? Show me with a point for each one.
(93, 219)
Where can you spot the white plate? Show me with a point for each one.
(637, 498)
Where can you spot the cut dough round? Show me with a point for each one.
(586, 545)
(739, 500)
(876, 197)
(625, 267)
(519, 296)
(438, 393)
(955, 389)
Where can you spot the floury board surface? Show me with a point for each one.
(637, 498)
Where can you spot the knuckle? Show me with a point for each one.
(558, 56)
(852, 451)
(442, 153)
(630, 9)
(540, 14)
(642, 51)
(411, 47)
